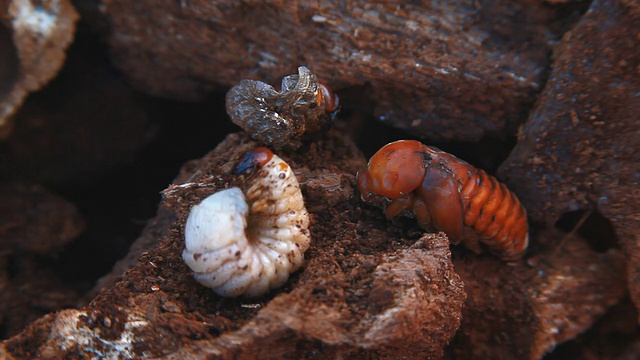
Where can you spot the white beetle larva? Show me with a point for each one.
(246, 243)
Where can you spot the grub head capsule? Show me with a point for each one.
(251, 160)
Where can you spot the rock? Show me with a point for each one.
(368, 287)
(35, 225)
(34, 220)
(525, 310)
(29, 289)
(445, 70)
(360, 293)
(82, 125)
(614, 336)
(33, 38)
(411, 310)
(578, 150)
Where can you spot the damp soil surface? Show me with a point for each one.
(351, 282)
(369, 287)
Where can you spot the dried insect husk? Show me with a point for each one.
(279, 118)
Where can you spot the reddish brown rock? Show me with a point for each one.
(34, 226)
(82, 125)
(615, 336)
(412, 308)
(33, 38)
(579, 148)
(34, 220)
(368, 287)
(359, 293)
(445, 70)
(29, 289)
(523, 311)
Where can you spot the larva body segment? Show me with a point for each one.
(445, 193)
(248, 242)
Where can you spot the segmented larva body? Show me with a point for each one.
(447, 194)
(248, 242)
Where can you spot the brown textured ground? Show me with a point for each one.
(358, 295)
(369, 288)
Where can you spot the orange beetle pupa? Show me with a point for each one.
(448, 194)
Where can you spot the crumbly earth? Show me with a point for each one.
(358, 294)
(368, 289)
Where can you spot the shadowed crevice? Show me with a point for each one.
(9, 63)
(592, 226)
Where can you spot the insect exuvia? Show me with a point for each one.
(247, 241)
(448, 194)
(304, 106)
